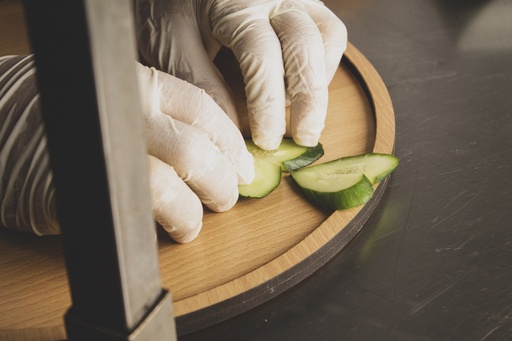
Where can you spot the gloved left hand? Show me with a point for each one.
(284, 48)
(196, 154)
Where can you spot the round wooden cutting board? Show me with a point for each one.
(264, 246)
(242, 257)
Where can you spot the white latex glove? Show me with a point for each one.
(187, 130)
(284, 47)
(195, 153)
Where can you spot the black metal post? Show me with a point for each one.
(85, 59)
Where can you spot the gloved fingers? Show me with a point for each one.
(258, 50)
(195, 158)
(169, 39)
(334, 35)
(304, 61)
(189, 104)
(174, 205)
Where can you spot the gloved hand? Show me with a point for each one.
(188, 132)
(196, 154)
(284, 48)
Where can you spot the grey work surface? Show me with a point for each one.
(434, 261)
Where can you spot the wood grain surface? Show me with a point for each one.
(242, 257)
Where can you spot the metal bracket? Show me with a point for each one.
(155, 326)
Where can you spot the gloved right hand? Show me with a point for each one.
(285, 49)
(196, 154)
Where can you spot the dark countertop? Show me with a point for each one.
(434, 261)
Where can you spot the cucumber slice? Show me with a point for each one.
(266, 179)
(346, 182)
(334, 191)
(268, 165)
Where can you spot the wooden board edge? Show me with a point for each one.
(262, 284)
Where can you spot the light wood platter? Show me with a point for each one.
(243, 257)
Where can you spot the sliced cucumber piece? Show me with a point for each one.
(266, 179)
(346, 182)
(268, 165)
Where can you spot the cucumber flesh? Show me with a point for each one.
(375, 166)
(266, 179)
(268, 165)
(346, 182)
(325, 182)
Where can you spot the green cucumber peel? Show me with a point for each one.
(310, 155)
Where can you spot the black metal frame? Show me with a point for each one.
(85, 60)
